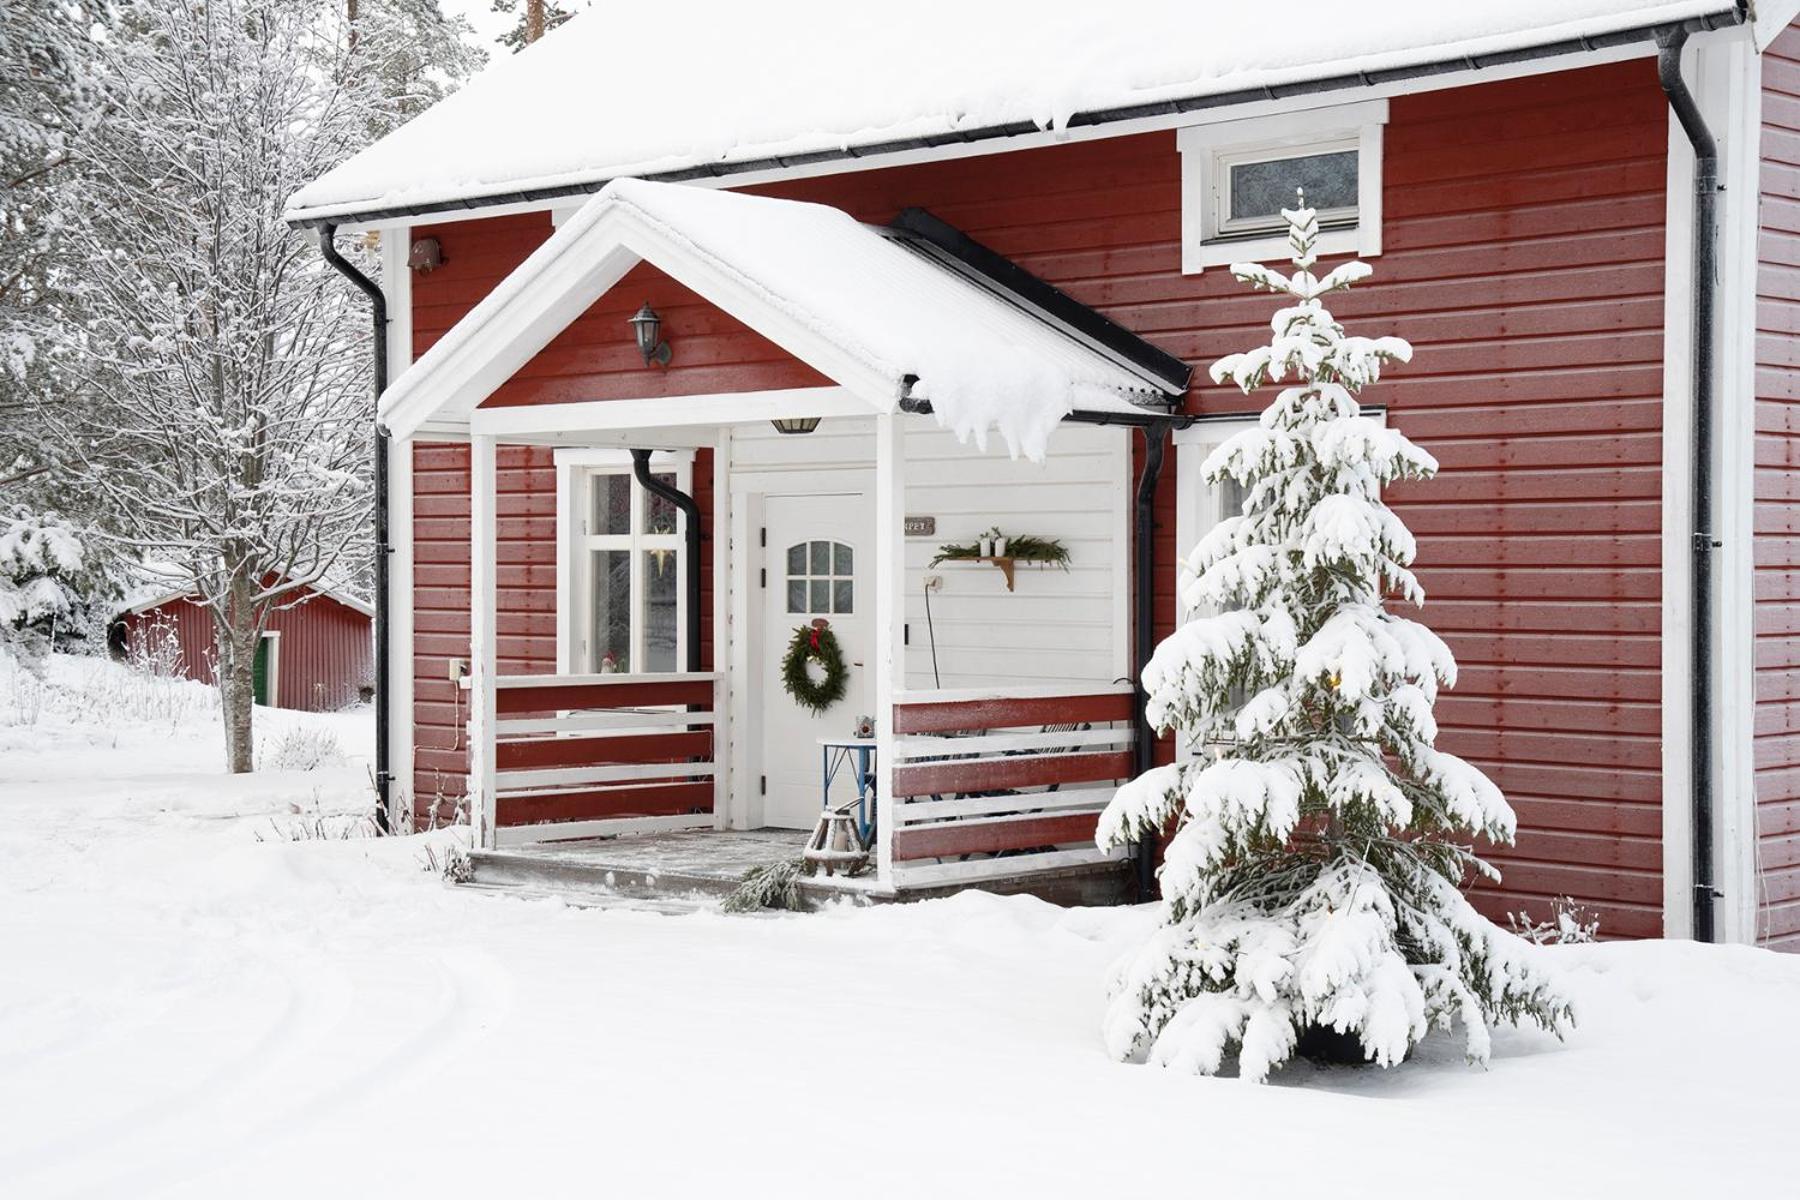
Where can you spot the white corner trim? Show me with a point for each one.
(396, 285)
(1769, 17)
(1732, 81)
(1207, 149)
(1677, 520)
(1725, 74)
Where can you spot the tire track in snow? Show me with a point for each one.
(468, 990)
(272, 1043)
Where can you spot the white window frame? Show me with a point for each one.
(576, 471)
(1200, 504)
(1208, 152)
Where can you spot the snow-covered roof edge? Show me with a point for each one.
(1571, 36)
(347, 599)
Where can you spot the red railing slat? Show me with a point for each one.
(953, 716)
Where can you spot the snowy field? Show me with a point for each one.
(193, 1005)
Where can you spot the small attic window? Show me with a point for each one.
(1237, 176)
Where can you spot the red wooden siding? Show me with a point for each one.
(1776, 614)
(1524, 235)
(325, 659)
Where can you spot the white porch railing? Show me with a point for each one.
(577, 756)
(1003, 781)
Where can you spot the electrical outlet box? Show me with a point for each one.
(459, 670)
(934, 583)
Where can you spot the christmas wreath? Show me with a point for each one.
(810, 644)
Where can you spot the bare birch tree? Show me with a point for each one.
(219, 407)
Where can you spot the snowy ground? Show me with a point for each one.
(191, 1005)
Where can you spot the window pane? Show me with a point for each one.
(1263, 189)
(797, 559)
(842, 599)
(659, 513)
(842, 564)
(659, 610)
(612, 611)
(796, 595)
(612, 504)
(1232, 495)
(821, 558)
(821, 596)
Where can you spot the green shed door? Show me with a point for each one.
(260, 675)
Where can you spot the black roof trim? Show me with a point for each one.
(445, 210)
(943, 241)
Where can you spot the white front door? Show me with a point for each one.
(816, 553)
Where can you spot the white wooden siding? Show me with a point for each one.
(1057, 627)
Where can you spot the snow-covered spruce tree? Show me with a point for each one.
(1313, 878)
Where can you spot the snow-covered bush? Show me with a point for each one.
(1313, 879)
(301, 748)
(53, 585)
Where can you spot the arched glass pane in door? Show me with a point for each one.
(821, 578)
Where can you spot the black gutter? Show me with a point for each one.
(378, 311)
(444, 209)
(1700, 664)
(640, 467)
(1017, 285)
(1143, 630)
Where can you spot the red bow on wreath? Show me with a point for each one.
(812, 635)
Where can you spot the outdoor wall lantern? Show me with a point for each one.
(425, 255)
(648, 327)
(795, 424)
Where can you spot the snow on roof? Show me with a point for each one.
(711, 83)
(854, 301)
(153, 585)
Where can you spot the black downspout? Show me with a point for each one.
(1706, 188)
(378, 309)
(1143, 627)
(640, 467)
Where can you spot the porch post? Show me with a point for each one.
(890, 615)
(721, 629)
(482, 643)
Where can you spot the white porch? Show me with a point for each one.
(992, 766)
(992, 780)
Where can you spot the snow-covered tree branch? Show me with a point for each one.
(1320, 839)
(215, 399)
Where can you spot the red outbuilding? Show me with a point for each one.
(661, 333)
(317, 655)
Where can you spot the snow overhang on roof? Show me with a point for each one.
(749, 87)
(875, 310)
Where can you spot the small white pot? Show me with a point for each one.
(986, 547)
(1000, 547)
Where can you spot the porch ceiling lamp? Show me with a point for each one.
(795, 424)
(648, 327)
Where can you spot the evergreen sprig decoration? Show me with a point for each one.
(1025, 548)
(814, 643)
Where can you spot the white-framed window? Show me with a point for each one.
(1201, 504)
(621, 567)
(1237, 176)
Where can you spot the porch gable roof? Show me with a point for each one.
(867, 307)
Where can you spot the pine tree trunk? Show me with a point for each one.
(534, 20)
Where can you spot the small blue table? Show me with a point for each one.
(859, 755)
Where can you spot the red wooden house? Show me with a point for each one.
(872, 233)
(317, 655)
